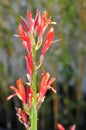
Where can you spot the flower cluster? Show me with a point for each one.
(31, 33)
(60, 127)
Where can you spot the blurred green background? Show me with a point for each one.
(66, 60)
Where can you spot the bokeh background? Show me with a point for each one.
(66, 60)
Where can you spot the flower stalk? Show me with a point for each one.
(34, 101)
(32, 34)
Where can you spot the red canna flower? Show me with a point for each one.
(25, 24)
(22, 33)
(36, 21)
(45, 85)
(29, 96)
(32, 24)
(60, 127)
(19, 91)
(48, 41)
(30, 21)
(39, 23)
(25, 38)
(22, 116)
(29, 61)
(25, 95)
(72, 127)
(43, 23)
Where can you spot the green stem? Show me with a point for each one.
(34, 118)
(34, 86)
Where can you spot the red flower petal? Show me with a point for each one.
(36, 21)
(60, 127)
(29, 95)
(45, 84)
(11, 96)
(30, 20)
(22, 34)
(29, 61)
(72, 127)
(19, 91)
(25, 24)
(43, 23)
(48, 41)
(25, 38)
(22, 116)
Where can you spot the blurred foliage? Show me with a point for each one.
(66, 60)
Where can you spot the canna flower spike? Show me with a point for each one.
(31, 33)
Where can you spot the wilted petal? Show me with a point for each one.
(22, 117)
